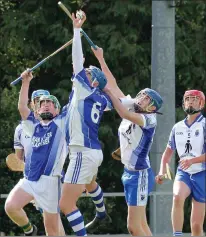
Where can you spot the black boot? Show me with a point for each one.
(97, 222)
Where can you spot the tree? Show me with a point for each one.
(31, 30)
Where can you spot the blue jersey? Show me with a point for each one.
(85, 112)
(48, 149)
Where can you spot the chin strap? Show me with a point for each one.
(46, 116)
(139, 110)
(192, 111)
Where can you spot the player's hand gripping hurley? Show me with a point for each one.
(79, 15)
(43, 61)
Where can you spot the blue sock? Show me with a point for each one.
(177, 233)
(76, 221)
(97, 197)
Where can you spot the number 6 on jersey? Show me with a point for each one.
(95, 112)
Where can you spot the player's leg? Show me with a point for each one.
(74, 185)
(181, 190)
(61, 227)
(69, 197)
(198, 203)
(197, 218)
(51, 225)
(145, 225)
(81, 170)
(47, 191)
(96, 193)
(137, 186)
(134, 220)
(15, 202)
(101, 218)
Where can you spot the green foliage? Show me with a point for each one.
(31, 30)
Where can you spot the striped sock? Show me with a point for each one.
(76, 221)
(28, 228)
(177, 233)
(97, 197)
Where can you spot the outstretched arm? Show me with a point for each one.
(77, 54)
(122, 110)
(111, 81)
(23, 95)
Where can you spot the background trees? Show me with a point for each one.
(31, 30)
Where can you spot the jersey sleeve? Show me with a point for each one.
(28, 125)
(62, 119)
(77, 54)
(82, 80)
(127, 101)
(171, 142)
(150, 121)
(17, 137)
(109, 105)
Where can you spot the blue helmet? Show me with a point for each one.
(98, 75)
(39, 93)
(155, 97)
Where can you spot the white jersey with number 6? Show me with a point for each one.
(86, 109)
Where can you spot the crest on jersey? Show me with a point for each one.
(197, 133)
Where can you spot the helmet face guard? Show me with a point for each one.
(194, 94)
(155, 100)
(48, 115)
(97, 75)
(36, 95)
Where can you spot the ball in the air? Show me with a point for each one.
(79, 14)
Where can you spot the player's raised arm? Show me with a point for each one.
(23, 95)
(122, 110)
(111, 81)
(77, 54)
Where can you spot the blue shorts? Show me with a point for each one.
(137, 186)
(196, 183)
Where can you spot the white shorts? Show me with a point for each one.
(83, 165)
(46, 192)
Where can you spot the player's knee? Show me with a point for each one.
(178, 199)
(9, 206)
(197, 228)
